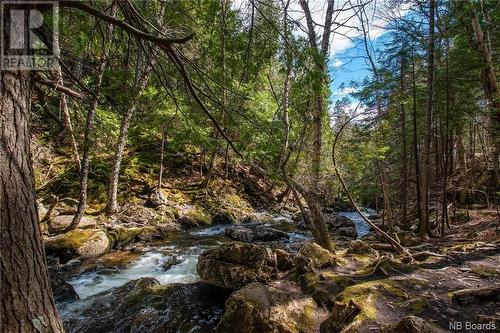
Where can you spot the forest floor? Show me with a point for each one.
(455, 285)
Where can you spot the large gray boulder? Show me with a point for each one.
(235, 265)
(62, 221)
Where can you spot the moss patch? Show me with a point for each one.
(367, 293)
(416, 305)
(486, 272)
(71, 240)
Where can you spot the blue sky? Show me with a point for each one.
(351, 65)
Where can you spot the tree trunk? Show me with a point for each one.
(491, 88)
(317, 138)
(314, 217)
(317, 98)
(444, 211)
(160, 173)
(404, 168)
(63, 103)
(112, 204)
(211, 167)
(26, 303)
(415, 144)
(140, 82)
(426, 166)
(87, 139)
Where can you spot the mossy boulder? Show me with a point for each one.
(311, 256)
(121, 236)
(265, 309)
(192, 217)
(324, 287)
(235, 265)
(342, 315)
(86, 243)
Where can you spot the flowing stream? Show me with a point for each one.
(186, 247)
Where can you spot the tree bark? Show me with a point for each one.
(415, 144)
(426, 167)
(87, 139)
(314, 217)
(317, 97)
(491, 88)
(26, 300)
(404, 167)
(112, 204)
(63, 103)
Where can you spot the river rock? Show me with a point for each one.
(241, 234)
(156, 199)
(223, 218)
(146, 306)
(170, 261)
(86, 243)
(42, 211)
(340, 226)
(62, 290)
(265, 309)
(62, 221)
(235, 265)
(251, 233)
(266, 234)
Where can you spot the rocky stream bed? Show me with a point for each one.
(268, 276)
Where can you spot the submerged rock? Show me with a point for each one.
(265, 309)
(251, 233)
(170, 261)
(144, 305)
(235, 265)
